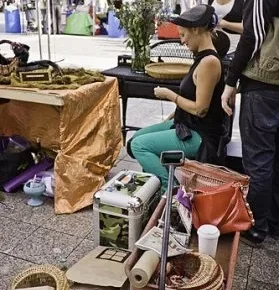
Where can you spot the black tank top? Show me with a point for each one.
(212, 123)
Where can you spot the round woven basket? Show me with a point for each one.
(171, 71)
(202, 272)
(43, 275)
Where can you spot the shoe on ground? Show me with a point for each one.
(253, 238)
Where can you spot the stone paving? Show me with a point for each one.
(30, 236)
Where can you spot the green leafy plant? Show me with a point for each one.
(138, 20)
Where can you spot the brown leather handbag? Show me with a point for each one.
(224, 206)
(195, 174)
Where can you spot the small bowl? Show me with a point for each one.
(34, 189)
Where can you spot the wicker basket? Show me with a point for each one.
(43, 275)
(202, 271)
(163, 70)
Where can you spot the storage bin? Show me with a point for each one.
(119, 216)
(12, 21)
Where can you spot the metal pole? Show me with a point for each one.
(166, 233)
(48, 29)
(39, 28)
(93, 3)
(23, 19)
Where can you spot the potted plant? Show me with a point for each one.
(138, 20)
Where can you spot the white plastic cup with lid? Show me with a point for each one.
(208, 239)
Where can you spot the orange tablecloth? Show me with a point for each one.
(85, 132)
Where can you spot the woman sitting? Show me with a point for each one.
(198, 119)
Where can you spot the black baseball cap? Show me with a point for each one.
(198, 16)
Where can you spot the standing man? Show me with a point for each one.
(56, 11)
(29, 7)
(256, 66)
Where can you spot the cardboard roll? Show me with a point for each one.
(163, 70)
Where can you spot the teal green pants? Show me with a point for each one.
(149, 142)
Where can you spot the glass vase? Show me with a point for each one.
(140, 58)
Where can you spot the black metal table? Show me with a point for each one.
(136, 85)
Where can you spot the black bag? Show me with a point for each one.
(15, 157)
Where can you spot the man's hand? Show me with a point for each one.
(164, 93)
(228, 99)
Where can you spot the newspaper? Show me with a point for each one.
(152, 240)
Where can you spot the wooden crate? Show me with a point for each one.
(226, 254)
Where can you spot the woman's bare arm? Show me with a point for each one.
(207, 76)
(233, 26)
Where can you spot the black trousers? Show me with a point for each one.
(259, 128)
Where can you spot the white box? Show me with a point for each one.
(119, 216)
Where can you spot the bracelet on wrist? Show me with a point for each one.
(176, 99)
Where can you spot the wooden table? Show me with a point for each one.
(137, 85)
(82, 126)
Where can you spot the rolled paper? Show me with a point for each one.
(26, 175)
(144, 269)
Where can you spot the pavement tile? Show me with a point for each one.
(13, 232)
(91, 236)
(21, 211)
(264, 266)
(239, 283)
(243, 260)
(123, 154)
(12, 198)
(78, 224)
(124, 165)
(257, 285)
(145, 112)
(46, 246)
(271, 244)
(79, 252)
(9, 268)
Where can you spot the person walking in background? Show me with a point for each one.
(198, 119)
(29, 8)
(256, 65)
(43, 9)
(55, 15)
(56, 11)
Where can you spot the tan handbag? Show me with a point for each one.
(195, 174)
(224, 206)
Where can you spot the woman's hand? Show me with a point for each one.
(233, 26)
(164, 93)
(223, 24)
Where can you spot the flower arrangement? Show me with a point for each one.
(138, 20)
